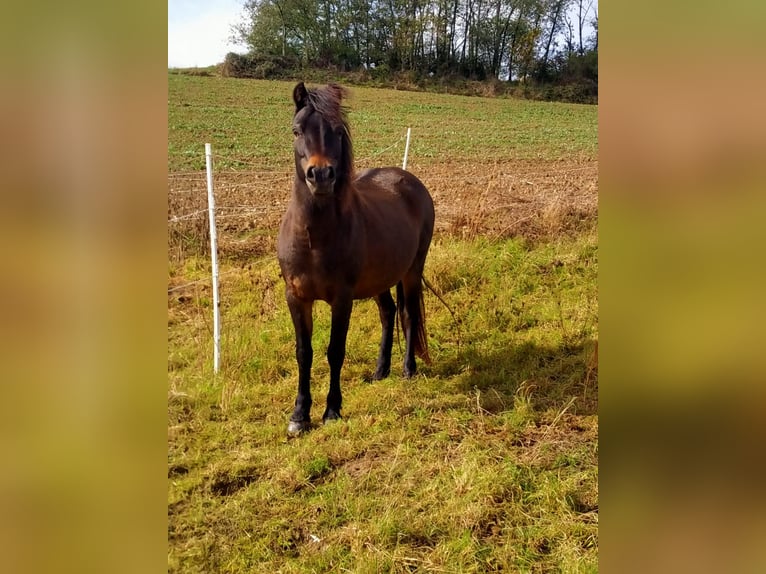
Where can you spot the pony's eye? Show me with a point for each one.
(296, 132)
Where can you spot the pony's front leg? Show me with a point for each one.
(336, 353)
(301, 313)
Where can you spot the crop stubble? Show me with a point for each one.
(534, 199)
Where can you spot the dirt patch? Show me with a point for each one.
(548, 442)
(532, 199)
(226, 484)
(175, 470)
(362, 465)
(535, 199)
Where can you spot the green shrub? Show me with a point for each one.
(261, 67)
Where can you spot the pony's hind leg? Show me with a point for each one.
(387, 311)
(410, 304)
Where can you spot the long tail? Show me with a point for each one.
(455, 320)
(421, 337)
(431, 288)
(421, 341)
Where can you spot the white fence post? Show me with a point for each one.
(406, 149)
(214, 257)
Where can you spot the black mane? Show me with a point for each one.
(328, 103)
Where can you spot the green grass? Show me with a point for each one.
(248, 123)
(485, 461)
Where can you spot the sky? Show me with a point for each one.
(199, 30)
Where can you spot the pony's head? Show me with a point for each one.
(324, 157)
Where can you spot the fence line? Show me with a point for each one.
(236, 215)
(186, 216)
(213, 258)
(381, 152)
(205, 280)
(426, 178)
(185, 285)
(192, 158)
(275, 169)
(236, 160)
(277, 203)
(190, 184)
(406, 149)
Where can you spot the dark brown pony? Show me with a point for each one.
(346, 237)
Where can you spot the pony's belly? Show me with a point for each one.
(307, 289)
(370, 286)
(365, 291)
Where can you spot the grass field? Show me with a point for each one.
(249, 122)
(487, 460)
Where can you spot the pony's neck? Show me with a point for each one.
(321, 218)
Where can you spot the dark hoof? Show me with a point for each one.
(380, 375)
(330, 417)
(410, 369)
(297, 428)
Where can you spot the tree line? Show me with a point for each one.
(513, 40)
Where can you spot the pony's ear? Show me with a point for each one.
(300, 96)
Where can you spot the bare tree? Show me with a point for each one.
(557, 9)
(582, 14)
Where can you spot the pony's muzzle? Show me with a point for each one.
(320, 175)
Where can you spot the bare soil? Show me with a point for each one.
(534, 199)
